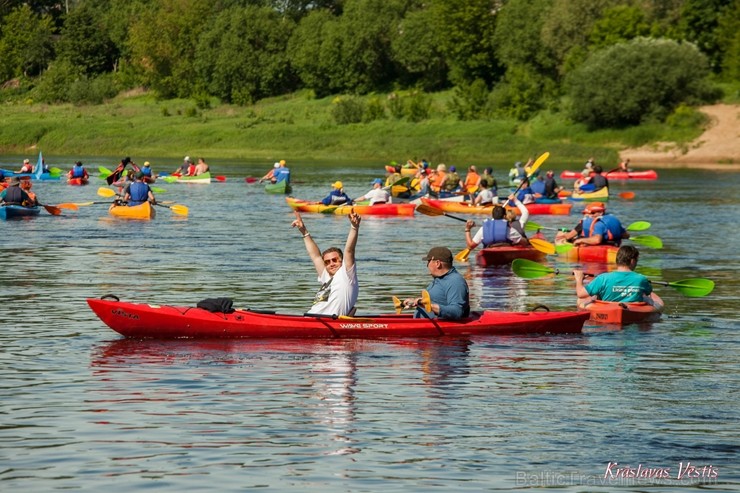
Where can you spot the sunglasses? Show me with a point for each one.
(333, 260)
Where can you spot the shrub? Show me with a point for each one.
(418, 106)
(631, 82)
(347, 109)
(470, 101)
(374, 110)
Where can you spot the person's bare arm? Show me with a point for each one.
(311, 247)
(349, 247)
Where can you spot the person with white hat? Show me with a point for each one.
(182, 170)
(27, 167)
(270, 175)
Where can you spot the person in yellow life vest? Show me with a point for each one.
(395, 176)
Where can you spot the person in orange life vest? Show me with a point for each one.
(596, 228)
(438, 178)
(502, 228)
(472, 181)
(27, 167)
(139, 192)
(78, 171)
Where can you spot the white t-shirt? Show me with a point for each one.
(338, 294)
(486, 197)
(378, 195)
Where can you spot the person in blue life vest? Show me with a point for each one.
(526, 194)
(449, 295)
(149, 175)
(282, 173)
(538, 186)
(78, 171)
(596, 228)
(336, 270)
(623, 285)
(337, 195)
(139, 192)
(502, 229)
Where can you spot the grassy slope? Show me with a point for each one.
(298, 127)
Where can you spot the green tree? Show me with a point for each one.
(465, 31)
(162, 43)
(618, 24)
(243, 58)
(415, 49)
(728, 36)
(85, 43)
(700, 25)
(26, 46)
(314, 51)
(627, 83)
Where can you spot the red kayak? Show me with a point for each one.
(77, 181)
(615, 175)
(593, 253)
(506, 254)
(142, 320)
(615, 313)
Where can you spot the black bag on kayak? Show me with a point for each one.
(217, 305)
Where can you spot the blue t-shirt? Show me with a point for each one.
(620, 286)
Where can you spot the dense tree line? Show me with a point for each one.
(605, 62)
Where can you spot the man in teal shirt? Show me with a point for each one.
(623, 285)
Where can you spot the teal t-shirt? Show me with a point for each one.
(620, 286)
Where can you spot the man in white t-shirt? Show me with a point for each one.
(336, 270)
(377, 195)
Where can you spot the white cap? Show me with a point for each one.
(187, 158)
(276, 165)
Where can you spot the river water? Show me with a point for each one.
(84, 409)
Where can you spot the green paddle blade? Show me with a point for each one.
(104, 172)
(639, 226)
(564, 248)
(532, 226)
(693, 288)
(157, 189)
(529, 269)
(169, 179)
(649, 241)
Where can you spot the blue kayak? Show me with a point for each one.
(18, 211)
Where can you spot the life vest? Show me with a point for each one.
(138, 193)
(147, 171)
(14, 195)
(613, 229)
(78, 172)
(599, 182)
(538, 187)
(437, 180)
(495, 231)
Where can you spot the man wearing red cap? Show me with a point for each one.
(596, 228)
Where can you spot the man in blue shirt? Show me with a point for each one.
(448, 291)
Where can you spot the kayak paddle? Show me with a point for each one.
(543, 246)
(627, 195)
(251, 179)
(178, 209)
(532, 171)
(221, 178)
(694, 288)
(104, 172)
(51, 209)
(635, 226)
(429, 210)
(649, 241)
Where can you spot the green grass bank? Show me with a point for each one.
(299, 127)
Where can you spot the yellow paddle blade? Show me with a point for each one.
(426, 301)
(463, 255)
(179, 209)
(533, 169)
(106, 192)
(397, 305)
(543, 246)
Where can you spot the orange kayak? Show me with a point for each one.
(592, 253)
(616, 313)
(558, 209)
(374, 210)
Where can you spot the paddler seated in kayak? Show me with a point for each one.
(201, 167)
(337, 271)
(502, 229)
(485, 196)
(526, 194)
(15, 195)
(282, 173)
(27, 167)
(623, 285)
(452, 181)
(598, 180)
(270, 175)
(138, 192)
(78, 171)
(337, 195)
(438, 179)
(596, 228)
(149, 175)
(183, 169)
(26, 185)
(449, 296)
(624, 166)
(377, 195)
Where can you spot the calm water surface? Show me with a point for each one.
(84, 409)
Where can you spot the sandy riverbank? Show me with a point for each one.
(717, 148)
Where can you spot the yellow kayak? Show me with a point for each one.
(141, 211)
